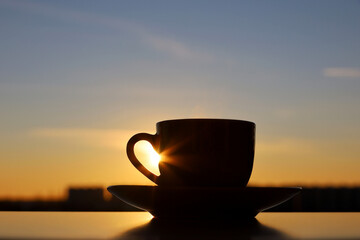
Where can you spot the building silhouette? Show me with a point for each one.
(78, 199)
(323, 199)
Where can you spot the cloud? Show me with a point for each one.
(163, 44)
(175, 48)
(342, 72)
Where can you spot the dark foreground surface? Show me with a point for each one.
(141, 225)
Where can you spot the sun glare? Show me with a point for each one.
(153, 155)
(148, 156)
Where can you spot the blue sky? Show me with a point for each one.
(71, 71)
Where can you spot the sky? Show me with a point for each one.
(79, 78)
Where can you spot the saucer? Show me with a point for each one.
(203, 202)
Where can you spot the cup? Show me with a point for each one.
(200, 152)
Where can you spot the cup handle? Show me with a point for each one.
(133, 159)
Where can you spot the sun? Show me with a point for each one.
(148, 156)
(154, 157)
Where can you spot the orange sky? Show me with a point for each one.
(53, 159)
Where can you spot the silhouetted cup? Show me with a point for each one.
(200, 152)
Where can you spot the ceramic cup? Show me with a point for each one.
(200, 152)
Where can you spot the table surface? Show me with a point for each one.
(141, 225)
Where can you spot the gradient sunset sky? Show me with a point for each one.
(79, 78)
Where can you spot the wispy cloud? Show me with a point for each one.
(176, 48)
(163, 44)
(339, 72)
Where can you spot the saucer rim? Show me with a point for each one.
(113, 188)
(205, 188)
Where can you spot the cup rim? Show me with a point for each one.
(206, 120)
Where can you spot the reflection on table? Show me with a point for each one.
(141, 225)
